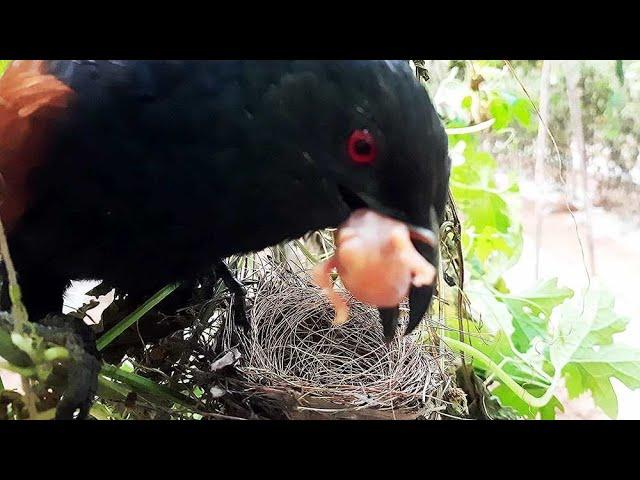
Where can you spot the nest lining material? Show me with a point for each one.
(293, 349)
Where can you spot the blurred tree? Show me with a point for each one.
(579, 152)
(541, 147)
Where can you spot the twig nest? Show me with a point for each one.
(295, 358)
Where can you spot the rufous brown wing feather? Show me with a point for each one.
(30, 99)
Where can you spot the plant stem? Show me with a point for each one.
(133, 317)
(18, 312)
(144, 385)
(535, 402)
(107, 387)
(27, 372)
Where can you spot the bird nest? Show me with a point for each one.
(294, 361)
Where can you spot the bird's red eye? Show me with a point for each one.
(362, 147)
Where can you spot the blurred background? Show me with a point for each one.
(576, 213)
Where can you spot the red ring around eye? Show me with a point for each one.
(362, 147)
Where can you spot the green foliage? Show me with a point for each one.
(543, 334)
(532, 309)
(492, 237)
(620, 71)
(585, 352)
(3, 65)
(512, 400)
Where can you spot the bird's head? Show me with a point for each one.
(361, 134)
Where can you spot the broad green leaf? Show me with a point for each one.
(606, 323)
(584, 322)
(527, 327)
(549, 411)
(583, 349)
(532, 309)
(578, 380)
(619, 361)
(489, 242)
(545, 296)
(481, 207)
(574, 320)
(592, 369)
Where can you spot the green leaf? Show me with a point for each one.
(489, 242)
(527, 327)
(481, 207)
(548, 412)
(606, 322)
(593, 369)
(585, 352)
(545, 296)
(584, 322)
(578, 380)
(493, 314)
(621, 361)
(522, 112)
(532, 309)
(509, 399)
(500, 111)
(483, 164)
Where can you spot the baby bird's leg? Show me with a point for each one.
(322, 277)
(422, 272)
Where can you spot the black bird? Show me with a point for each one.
(142, 173)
